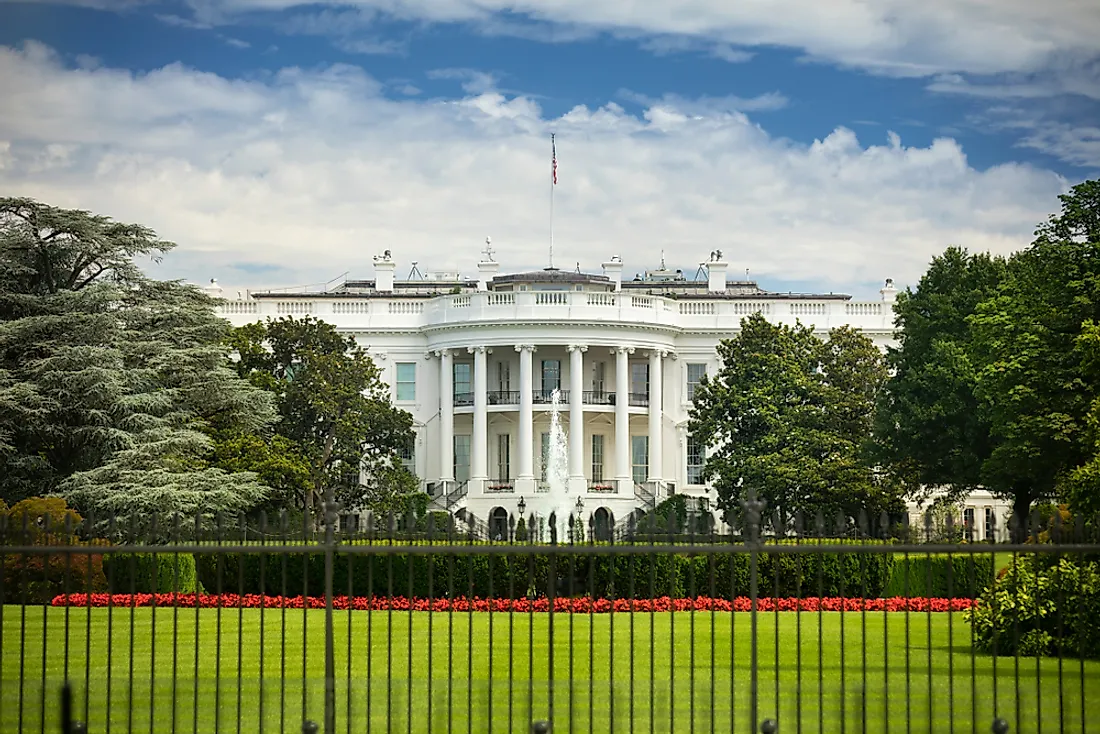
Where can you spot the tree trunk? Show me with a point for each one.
(1020, 522)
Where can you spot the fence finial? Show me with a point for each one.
(768, 726)
(1000, 726)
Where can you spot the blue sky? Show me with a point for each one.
(822, 146)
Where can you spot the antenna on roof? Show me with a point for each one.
(578, 266)
(415, 273)
(701, 272)
(662, 259)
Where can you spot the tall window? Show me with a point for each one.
(406, 380)
(989, 522)
(696, 457)
(462, 458)
(968, 521)
(504, 457)
(696, 372)
(597, 458)
(639, 457)
(407, 455)
(639, 378)
(551, 375)
(464, 386)
(599, 370)
(545, 458)
(504, 376)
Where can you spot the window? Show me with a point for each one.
(696, 372)
(597, 458)
(545, 456)
(462, 458)
(406, 380)
(968, 522)
(639, 457)
(407, 456)
(504, 457)
(639, 378)
(504, 376)
(989, 523)
(696, 458)
(599, 370)
(551, 375)
(464, 386)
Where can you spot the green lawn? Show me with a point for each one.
(673, 672)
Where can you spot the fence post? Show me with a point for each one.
(332, 517)
(754, 508)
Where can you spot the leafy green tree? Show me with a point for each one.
(335, 408)
(788, 416)
(108, 379)
(1037, 381)
(929, 432)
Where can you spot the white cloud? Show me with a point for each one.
(316, 170)
(898, 37)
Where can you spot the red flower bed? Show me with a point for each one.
(581, 605)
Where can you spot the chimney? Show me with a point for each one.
(383, 272)
(716, 275)
(889, 292)
(486, 271)
(613, 269)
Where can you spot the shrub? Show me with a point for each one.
(46, 521)
(1041, 607)
(37, 578)
(148, 573)
(960, 576)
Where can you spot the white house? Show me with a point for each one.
(475, 361)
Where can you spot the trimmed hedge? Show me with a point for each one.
(472, 574)
(961, 576)
(147, 573)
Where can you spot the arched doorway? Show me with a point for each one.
(498, 524)
(601, 524)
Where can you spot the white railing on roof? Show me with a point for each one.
(720, 314)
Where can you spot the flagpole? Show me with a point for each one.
(553, 185)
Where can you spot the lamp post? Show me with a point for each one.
(521, 506)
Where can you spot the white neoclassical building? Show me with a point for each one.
(476, 361)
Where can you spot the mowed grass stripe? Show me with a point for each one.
(676, 698)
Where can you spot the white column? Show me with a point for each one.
(526, 413)
(446, 416)
(576, 413)
(480, 439)
(655, 415)
(622, 417)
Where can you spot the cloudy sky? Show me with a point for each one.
(821, 145)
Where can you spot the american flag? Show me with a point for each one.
(553, 160)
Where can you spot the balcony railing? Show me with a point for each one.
(604, 486)
(545, 397)
(639, 400)
(500, 486)
(598, 397)
(464, 398)
(504, 397)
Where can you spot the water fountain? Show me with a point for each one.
(558, 500)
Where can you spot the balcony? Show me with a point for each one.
(639, 400)
(500, 486)
(463, 399)
(546, 397)
(503, 397)
(604, 486)
(598, 397)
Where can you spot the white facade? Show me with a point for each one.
(474, 361)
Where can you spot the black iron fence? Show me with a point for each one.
(205, 625)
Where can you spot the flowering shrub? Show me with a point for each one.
(573, 605)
